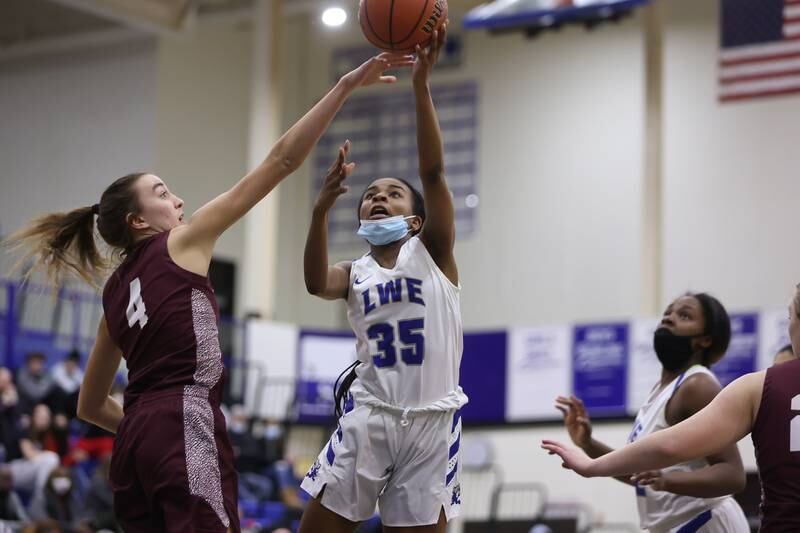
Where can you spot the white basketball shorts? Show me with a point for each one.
(411, 471)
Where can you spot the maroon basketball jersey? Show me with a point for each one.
(776, 436)
(164, 319)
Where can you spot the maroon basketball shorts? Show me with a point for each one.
(172, 466)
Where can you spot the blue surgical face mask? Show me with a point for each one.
(385, 230)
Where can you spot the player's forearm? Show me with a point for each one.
(650, 453)
(295, 145)
(315, 258)
(595, 449)
(429, 136)
(715, 480)
(108, 416)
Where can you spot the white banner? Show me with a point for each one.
(644, 368)
(538, 370)
(323, 357)
(271, 355)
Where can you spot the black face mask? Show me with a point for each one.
(674, 351)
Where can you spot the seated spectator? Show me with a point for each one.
(67, 376)
(34, 384)
(785, 355)
(10, 422)
(258, 447)
(48, 433)
(12, 513)
(27, 460)
(59, 504)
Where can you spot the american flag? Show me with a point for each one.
(760, 48)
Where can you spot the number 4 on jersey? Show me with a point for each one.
(136, 311)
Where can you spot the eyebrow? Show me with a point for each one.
(375, 187)
(157, 185)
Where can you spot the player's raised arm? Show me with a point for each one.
(208, 223)
(327, 281)
(438, 234)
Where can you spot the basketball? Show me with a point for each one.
(400, 26)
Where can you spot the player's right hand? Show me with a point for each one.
(373, 70)
(334, 187)
(576, 420)
(571, 458)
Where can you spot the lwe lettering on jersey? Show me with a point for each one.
(392, 292)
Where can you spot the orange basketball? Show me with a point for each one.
(399, 25)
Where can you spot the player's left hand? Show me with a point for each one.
(655, 479)
(573, 458)
(333, 186)
(429, 55)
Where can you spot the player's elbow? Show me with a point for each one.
(283, 160)
(314, 288)
(86, 411)
(433, 174)
(670, 452)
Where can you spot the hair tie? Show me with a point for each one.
(96, 209)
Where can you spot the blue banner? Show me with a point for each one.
(599, 367)
(483, 377)
(742, 354)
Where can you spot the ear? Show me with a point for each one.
(705, 342)
(136, 222)
(415, 224)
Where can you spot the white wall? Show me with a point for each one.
(730, 175)
(72, 123)
(179, 107)
(559, 176)
(202, 117)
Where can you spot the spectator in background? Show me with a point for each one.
(9, 418)
(785, 355)
(33, 383)
(67, 376)
(59, 504)
(258, 451)
(46, 435)
(28, 462)
(12, 513)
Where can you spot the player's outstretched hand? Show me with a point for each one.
(655, 479)
(429, 55)
(334, 186)
(573, 458)
(373, 70)
(576, 420)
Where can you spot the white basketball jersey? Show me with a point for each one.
(660, 510)
(407, 321)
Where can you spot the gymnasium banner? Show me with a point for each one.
(483, 376)
(742, 352)
(539, 355)
(599, 367)
(644, 368)
(270, 373)
(322, 356)
(773, 334)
